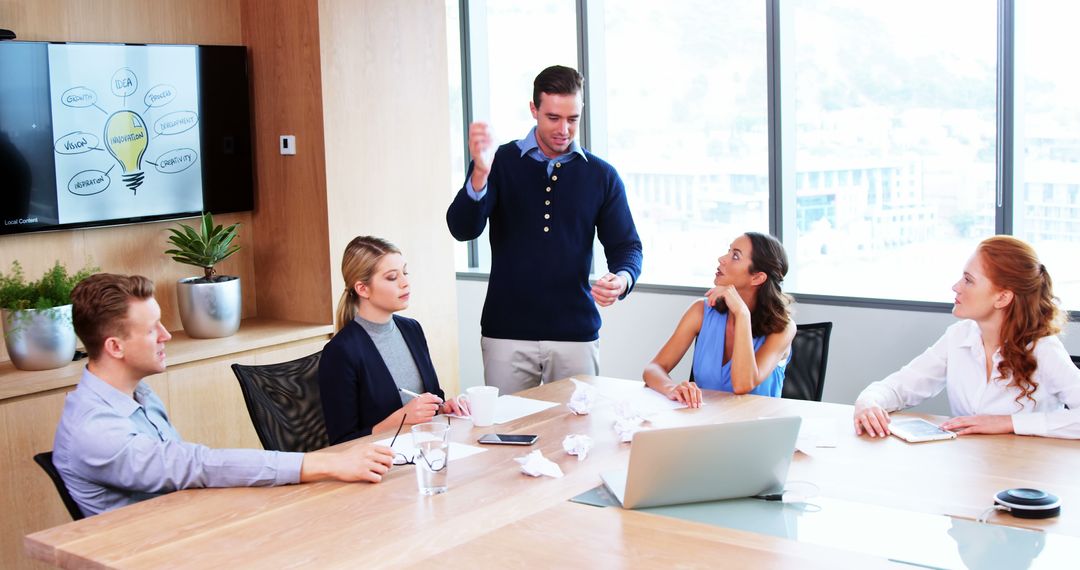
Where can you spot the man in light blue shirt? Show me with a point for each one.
(115, 446)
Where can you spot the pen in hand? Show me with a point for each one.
(414, 394)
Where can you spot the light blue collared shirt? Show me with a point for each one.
(529, 146)
(113, 450)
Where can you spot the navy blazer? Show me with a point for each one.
(357, 388)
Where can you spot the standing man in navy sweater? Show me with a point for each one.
(546, 198)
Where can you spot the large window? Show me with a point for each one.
(1046, 208)
(458, 152)
(510, 42)
(893, 139)
(684, 101)
(881, 140)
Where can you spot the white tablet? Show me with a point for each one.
(917, 430)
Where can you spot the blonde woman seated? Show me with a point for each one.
(741, 331)
(1003, 366)
(376, 358)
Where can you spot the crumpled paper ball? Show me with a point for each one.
(578, 445)
(535, 465)
(583, 398)
(628, 420)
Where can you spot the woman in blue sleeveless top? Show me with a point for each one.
(741, 331)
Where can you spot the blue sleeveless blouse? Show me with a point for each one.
(710, 371)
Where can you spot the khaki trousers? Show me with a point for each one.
(516, 365)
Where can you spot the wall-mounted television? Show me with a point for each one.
(106, 134)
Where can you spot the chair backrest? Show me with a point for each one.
(1075, 359)
(44, 460)
(804, 378)
(283, 401)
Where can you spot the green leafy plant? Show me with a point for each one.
(204, 248)
(52, 290)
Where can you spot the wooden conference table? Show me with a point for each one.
(493, 514)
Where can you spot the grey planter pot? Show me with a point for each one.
(39, 339)
(209, 310)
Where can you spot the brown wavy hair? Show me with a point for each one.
(358, 263)
(99, 306)
(772, 313)
(1013, 265)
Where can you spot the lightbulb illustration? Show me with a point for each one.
(126, 139)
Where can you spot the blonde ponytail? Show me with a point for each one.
(358, 264)
(346, 308)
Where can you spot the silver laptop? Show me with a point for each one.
(705, 463)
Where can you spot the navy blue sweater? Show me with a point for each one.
(357, 388)
(539, 284)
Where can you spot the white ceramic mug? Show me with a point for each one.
(482, 401)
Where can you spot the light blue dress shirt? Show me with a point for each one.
(528, 146)
(113, 450)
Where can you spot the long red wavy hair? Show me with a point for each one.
(1013, 265)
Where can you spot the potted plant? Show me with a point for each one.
(37, 317)
(210, 304)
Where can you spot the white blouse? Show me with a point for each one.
(957, 363)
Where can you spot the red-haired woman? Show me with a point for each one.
(1003, 366)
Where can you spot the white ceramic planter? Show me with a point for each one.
(39, 339)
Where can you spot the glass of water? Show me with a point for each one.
(432, 444)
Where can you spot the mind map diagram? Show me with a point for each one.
(126, 136)
(126, 131)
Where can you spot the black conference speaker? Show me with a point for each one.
(1029, 503)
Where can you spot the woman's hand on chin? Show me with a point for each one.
(726, 295)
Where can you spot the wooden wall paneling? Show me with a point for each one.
(38, 252)
(207, 407)
(132, 21)
(385, 91)
(291, 261)
(28, 500)
(159, 383)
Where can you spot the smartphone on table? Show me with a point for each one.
(508, 439)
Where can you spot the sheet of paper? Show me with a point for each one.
(814, 434)
(644, 400)
(817, 432)
(510, 408)
(404, 446)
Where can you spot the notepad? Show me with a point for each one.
(510, 408)
(645, 400)
(816, 433)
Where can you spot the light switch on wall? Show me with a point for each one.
(288, 144)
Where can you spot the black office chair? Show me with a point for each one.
(1075, 359)
(44, 460)
(804, 378)
(283, 401)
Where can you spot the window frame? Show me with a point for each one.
(781, 171)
